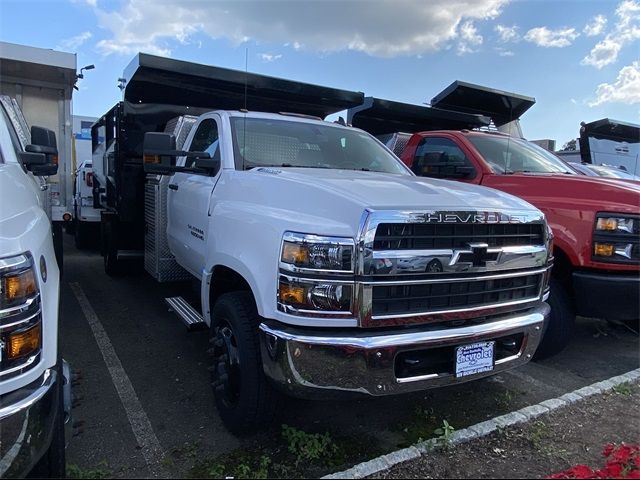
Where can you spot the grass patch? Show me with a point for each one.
(101, 470)
(293, 454)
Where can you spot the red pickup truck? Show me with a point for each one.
(595, 221)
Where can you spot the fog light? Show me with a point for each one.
(20, 344)
(603, 249)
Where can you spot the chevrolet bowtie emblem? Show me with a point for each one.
(479, 254)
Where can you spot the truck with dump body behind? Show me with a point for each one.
(325, 267)
(595, 221)
(39, 82)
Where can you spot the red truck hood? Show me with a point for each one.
(570, 191)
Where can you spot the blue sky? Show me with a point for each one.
(579, 59)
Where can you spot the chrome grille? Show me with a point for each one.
(453, 295)
(433, 266)
(393, 236)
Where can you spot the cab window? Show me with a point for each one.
(206, 139)
(441, 158)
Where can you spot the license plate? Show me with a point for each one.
(474, 358)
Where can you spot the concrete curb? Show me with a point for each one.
(482, 429)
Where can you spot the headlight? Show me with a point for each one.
(311, 295)
(615, 224)
(20, 318)
(616, 238)
(302, 252)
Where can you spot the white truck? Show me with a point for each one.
(86, 218)
(35, 396)
(325, 266)
(40, 82)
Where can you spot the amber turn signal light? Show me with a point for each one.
(17, 287)
(603, 249)
(21, 344)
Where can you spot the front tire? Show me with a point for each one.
(245, 400)
(561, 322)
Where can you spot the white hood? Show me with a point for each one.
(330, 199)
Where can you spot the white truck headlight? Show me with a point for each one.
(312, 295)
(301, 252)
(20, 319)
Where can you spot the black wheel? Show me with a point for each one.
(53, 462)
(244, 398)
(561, 322)
(81, 235)
(110, 250)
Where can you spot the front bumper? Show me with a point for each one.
(607, 295)
(319, 363)
(27, 421)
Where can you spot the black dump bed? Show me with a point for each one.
(502, 107)
(152, 79)
(379, 117)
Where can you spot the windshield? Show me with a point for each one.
(266, 142)
(511, 155)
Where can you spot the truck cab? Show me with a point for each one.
(35, 397)
(595, 221)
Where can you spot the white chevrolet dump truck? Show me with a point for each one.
(35, 395)
(325, 267)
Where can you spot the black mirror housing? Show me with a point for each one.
(159, 156)
(159, 153)
(41, 156)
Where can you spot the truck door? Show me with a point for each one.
(440, 157)
(188, 202)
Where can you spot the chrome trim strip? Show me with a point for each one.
(48, 380)
(458, 310)
(7, 312)
(456, 335)
(15, 262)
(31, 361)
(20, 322)
(454, 279)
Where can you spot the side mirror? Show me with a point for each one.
(41, 156)
(159, 155)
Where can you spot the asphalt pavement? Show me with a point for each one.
(144, 407)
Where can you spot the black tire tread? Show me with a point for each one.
(260, 410)
(561, 322)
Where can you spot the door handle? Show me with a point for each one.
(173, 186)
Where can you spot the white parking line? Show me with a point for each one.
(150, 445)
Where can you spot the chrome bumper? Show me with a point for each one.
(27, 420)
(312, 363)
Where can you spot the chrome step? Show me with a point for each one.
(189, 315)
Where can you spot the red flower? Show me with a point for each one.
(623, 461)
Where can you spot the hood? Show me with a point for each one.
(335, 200)
(571, 191)
(390, 191)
